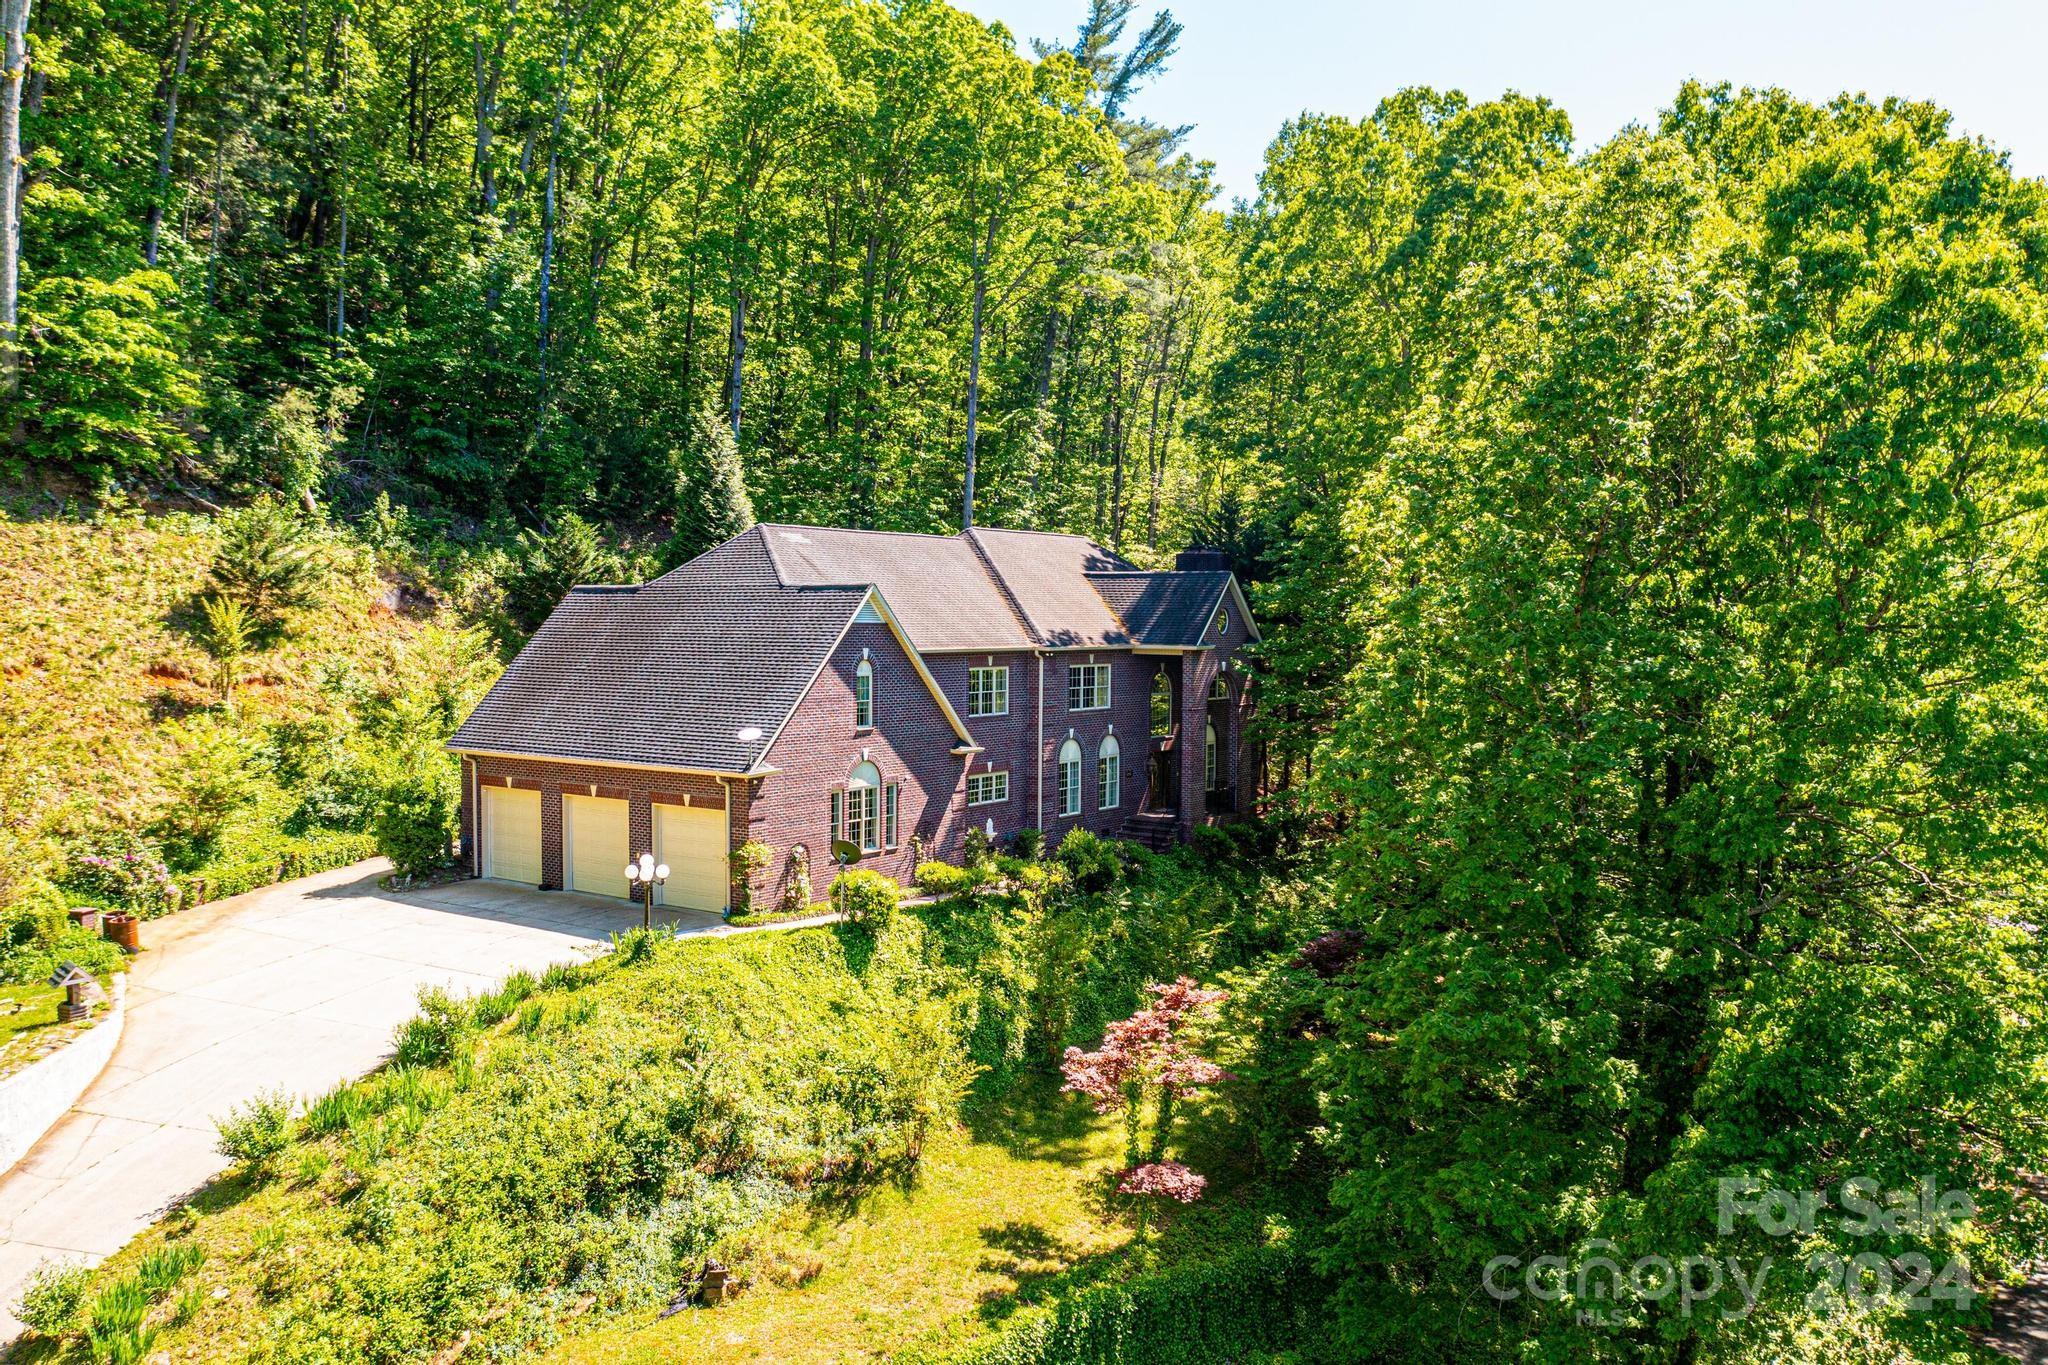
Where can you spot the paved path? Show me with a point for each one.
(2019, 1321)
(296, 986)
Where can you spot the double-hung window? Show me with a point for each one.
(889, 805)
(1087, 687)
(1070, 778)
(988, 789)
(1109, 773)
(988, 691)
(863, 808)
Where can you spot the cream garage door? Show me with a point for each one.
(691, 840)
(512, 835)
(595, 842)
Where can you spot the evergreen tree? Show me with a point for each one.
(712, 504)
(550, 563)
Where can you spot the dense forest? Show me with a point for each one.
(1648, 539)
(494, 258)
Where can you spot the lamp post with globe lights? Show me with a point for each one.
(642, 876)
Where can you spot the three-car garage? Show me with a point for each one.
(690, 834)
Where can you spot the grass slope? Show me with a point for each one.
(104, 694)
(1013, 1202)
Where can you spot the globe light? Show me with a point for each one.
(661, 872)
(646, 866)
(632, 872)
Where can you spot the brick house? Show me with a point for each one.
(800, 684)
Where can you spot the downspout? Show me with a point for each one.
(1038, 761)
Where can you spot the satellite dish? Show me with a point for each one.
(845, 852)
(750, 734)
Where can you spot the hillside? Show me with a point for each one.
(852, 1119)
(125, 730)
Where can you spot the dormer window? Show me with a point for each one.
(864, 696)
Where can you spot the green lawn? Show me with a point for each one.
(1012, 1208)
(27, 1031)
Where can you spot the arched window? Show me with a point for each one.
(1070, 778)
(1109, 773)
(864, 696)
(1162, 704)
(1220, 689)
(863, 807)
(1209, 772)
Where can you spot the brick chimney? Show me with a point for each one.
(1200, 558)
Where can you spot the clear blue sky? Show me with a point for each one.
(1245, 66)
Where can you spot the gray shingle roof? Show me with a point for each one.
(937, 585)
(1047, 576)
(1164, 608)
(669, 673)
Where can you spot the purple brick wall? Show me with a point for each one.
(910, 743)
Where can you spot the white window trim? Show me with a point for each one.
(1108, 696)
(1070, 809)
(1109, 795)
(892, 801)
(864, 670)
(999, 780)
(1002, 669)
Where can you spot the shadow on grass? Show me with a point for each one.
(1031, 1119)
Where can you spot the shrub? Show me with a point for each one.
(416, 819)
(265, 562)
(124, 870)
(976, 848)
(161, 1270)
(51, 1297)
(866, 897)
(254, 1132)
(1240, 1307)
(1090, 860)
(429, 1037)
(35, 918)
(796, 892)
(1028, 844)
(944, 879)
(748, 861)
(114, 1324)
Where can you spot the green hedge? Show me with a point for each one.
(1239, 1308)
(297, 858)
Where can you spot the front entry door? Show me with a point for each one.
(1162, 781)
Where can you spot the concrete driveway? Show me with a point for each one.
(296, 986)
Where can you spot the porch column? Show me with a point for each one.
(1192, 702)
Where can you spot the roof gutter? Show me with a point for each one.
(610, 762)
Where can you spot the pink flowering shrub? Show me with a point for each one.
(1143, 1055)
(1168, 1179)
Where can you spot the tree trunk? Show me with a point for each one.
(738, 346)
(547, 229)
(13, 67)
(163, 154)
(341, 277)
(981, 260)
(1155, 446)
(489, 74)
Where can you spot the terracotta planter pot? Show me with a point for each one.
(85, 917)
(123, 930)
